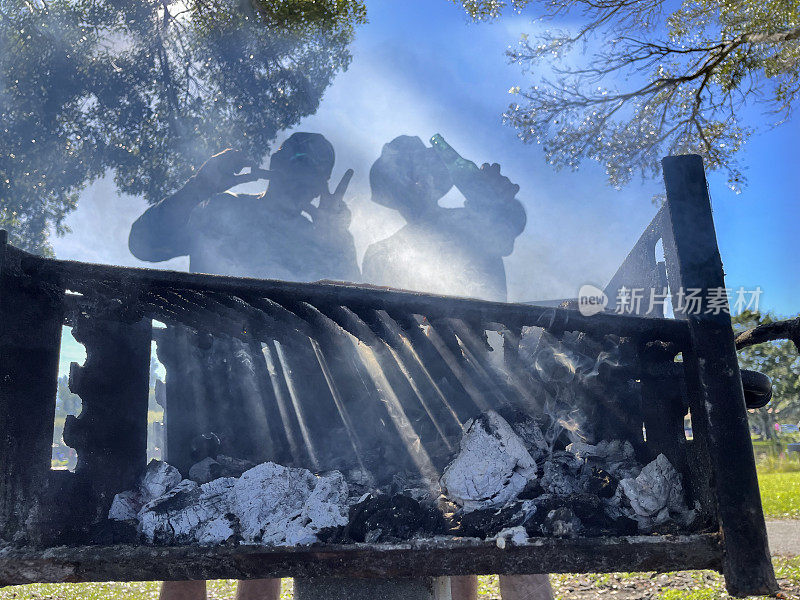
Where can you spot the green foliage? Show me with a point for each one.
(67, 403)
(633, 81)
(484, 10)
(780, 494)
(779, 360)
(149, 90)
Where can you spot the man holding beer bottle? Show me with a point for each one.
(455, 251)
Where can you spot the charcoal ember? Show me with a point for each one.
(615, 456)
(233, 467)
(126, 505)
(108, 533)
(206, 470)
(562, 474)
(282, 506)
(562, 522)
(489, 522)
(592, 512)
(191, 514)
(385, 518)
(205, 445)
(493, 465)
(157, 479)
(528, 428)
(601, 483)
(655, 496)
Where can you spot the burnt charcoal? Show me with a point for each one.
(533, 490)
(528, 428)
(601, 483)
(562, 522)
(282, 506)
(385, 518)
(616, 457)
(158, 479)
(108, 533)
(590, 510)
(562, 474)
(206, 470)
(205, 445)
(233, 467)
(488, 522)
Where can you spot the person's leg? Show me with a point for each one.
(183, 590)
(464, 587)
(525, 587)
(259, 589)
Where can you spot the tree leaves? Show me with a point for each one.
(149, 90)
(629, 83)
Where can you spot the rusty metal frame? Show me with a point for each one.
(34, 303)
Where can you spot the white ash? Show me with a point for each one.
(125, 506)
(269, 504)
(516, 535)
(278, 505)
(655, 496)
(616, 457)
(158, 478)
(492, 467)
(190, 514)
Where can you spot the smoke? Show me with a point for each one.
(578, 230)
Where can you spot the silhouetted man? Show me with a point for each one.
(279, 234)
(265, 235)
(455, 251)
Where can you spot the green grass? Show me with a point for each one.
(787, 568)
(780, 494)
(699, 585)
(701, 594)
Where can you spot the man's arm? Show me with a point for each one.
(495, 215)
(161, 232)
(332, 222)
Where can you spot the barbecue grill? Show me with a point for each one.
(54, 526)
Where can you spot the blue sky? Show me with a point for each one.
(420, 68)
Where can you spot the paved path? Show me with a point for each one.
(784, 537)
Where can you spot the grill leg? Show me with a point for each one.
(30, 338)
(402, 588)
(715, 380)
